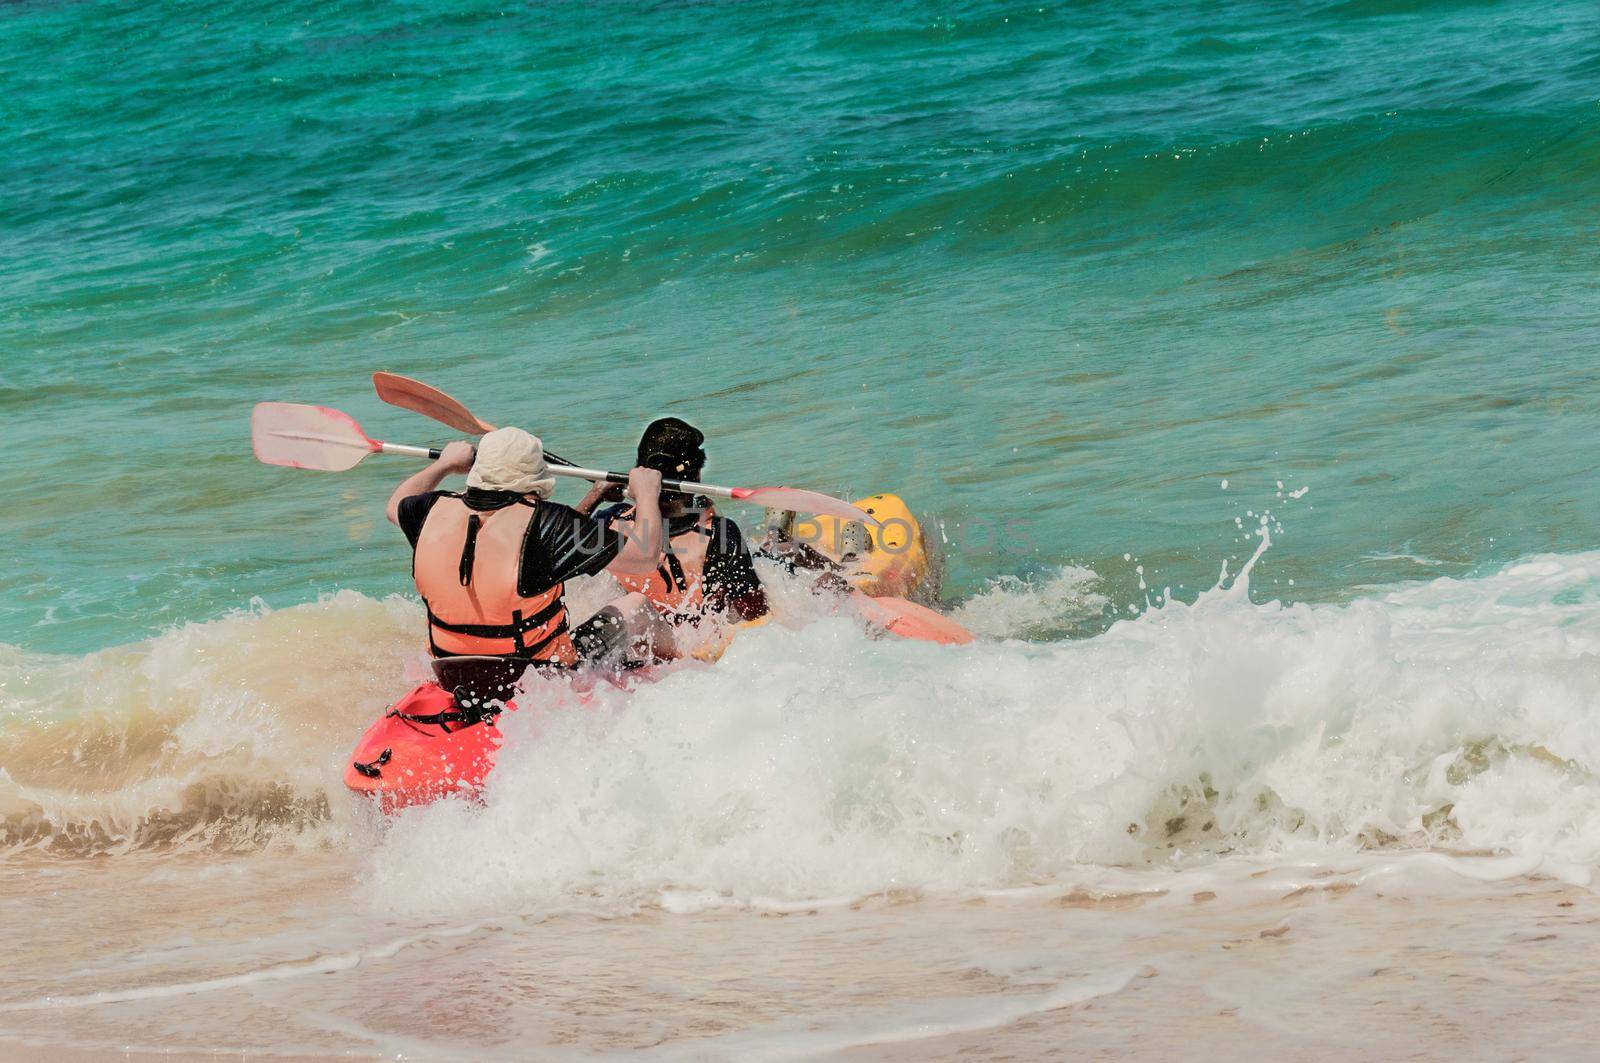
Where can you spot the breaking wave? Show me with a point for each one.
(816, 761)
(224, 735)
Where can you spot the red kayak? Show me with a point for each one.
(423, 749)
(433, 743)
(440, 739)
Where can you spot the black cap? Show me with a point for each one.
(673, 448)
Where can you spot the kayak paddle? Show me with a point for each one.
(414, 395)
(317, 437)
(418, 397)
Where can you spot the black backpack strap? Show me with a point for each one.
(672, 572)
(469, 549)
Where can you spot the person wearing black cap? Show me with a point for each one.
(706, 567)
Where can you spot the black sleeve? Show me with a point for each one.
(563, 543)
(412, 511)
(731, 581)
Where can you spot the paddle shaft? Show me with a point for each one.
(429, 401)
(557, 462)
(574, 471)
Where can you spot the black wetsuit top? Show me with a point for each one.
(561, 542)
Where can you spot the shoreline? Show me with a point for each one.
(1416, 962)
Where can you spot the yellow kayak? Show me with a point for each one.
(887, 563)
(889, 559)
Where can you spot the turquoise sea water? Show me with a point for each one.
(1077, 263)
(1099, 287)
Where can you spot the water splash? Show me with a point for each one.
(817, 763)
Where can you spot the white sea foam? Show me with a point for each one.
(1041, 607)
(818, 763)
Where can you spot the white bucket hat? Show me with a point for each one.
(510, 459)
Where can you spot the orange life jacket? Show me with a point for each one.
(677, 584)
(467, 566)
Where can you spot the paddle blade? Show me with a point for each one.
(912, 621)
(793, 498)
(418, 397)
(307, 437)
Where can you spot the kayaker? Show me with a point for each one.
(706, 568)
(491, 563)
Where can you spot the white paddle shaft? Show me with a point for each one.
(299, 436)
(577, 472)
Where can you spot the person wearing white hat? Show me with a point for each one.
(491, 563)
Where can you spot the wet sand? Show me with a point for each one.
(285, 955)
